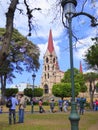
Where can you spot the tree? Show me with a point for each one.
(97, 87)
(64, 90)
(28, 92)
(20, 53)
(78, 78)
(9, 26)
(91, 79)
(38, 92)
(91, 56)
(10, 91)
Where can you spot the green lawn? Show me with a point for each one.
(50, 121)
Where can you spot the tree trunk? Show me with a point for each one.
(92, 90)
(9, 29)
(91, 101)
(3, 88)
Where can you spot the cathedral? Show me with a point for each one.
(51, 73)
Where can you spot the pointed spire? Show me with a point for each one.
(81, 71)
(50, 42)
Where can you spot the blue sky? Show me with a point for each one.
(43, 22)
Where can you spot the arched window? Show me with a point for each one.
(46, 89)
(53, 60)
(45, 76)
(48, 75)
(47, 60)
(48, 67)
(45, 68)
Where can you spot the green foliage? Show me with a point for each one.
(78, 79)
(20, 51)
(10, 91)
(91, 56)
(91, 77)
(64, 89)
(83, 89)
(46, 103)
(28, 92)
(38, 92)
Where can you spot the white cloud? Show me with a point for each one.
(83, 44)
(82, 47)
(43, 20)
(43, 48)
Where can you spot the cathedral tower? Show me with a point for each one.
(51, 73)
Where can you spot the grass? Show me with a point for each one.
(50, 121)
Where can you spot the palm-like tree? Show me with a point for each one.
(91, 78)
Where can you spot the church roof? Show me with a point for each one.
(50, 42)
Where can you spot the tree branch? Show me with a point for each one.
(30, 16)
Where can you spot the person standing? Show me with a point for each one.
(52, 104)
(41, 110)
(60, 104)
(22, 105)
(12, 109)
(65, 106)
(96, 105)
(82, 105)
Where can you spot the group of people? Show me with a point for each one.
(12, 110)
(61, 104)
(81, 105)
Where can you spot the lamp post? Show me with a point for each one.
(69, 13)
(32, 103)
(69, 8)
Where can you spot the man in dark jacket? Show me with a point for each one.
(82, 104)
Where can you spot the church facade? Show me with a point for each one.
(51, 73)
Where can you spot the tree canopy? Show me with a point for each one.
(22, 55)
(21, 50)
(64, 89)
(37, 92)
(78, 77)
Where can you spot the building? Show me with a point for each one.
(22, 86)
(51, 73)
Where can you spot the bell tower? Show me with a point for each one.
(51, 73)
